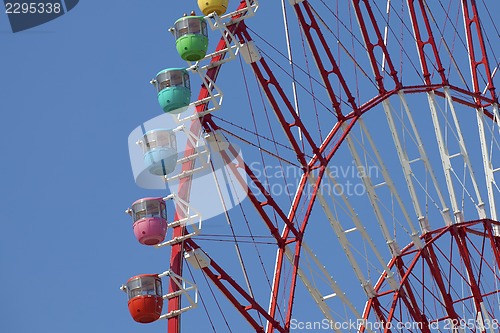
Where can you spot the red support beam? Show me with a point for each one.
(295, 205)
(410, 300)
(378, 308)
(494, 241)
(421, 43)
(318, 157)
(370, 46)
(266, 83)
(276, 286)
(432, 262)
(217, 274)
(253, 197)
(485, 101)
(293, 283)
(461, 239)
(458, 235)
(472, 22)
(325, 73)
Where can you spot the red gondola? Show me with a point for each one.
(145, 297)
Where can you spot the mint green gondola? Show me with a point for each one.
(191, 37)
(174, 91)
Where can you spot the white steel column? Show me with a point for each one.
(316, 294)
(390, 184)
(465, 155)
(344, 242)
(488, 167)
(372, 196)
(406, 164)
(445, 158)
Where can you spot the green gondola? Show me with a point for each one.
(191, 37)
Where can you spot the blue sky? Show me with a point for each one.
(71, 91)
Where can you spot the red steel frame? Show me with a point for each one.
(406, 265)
(322, 154)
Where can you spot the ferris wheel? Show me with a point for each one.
(296, 209)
